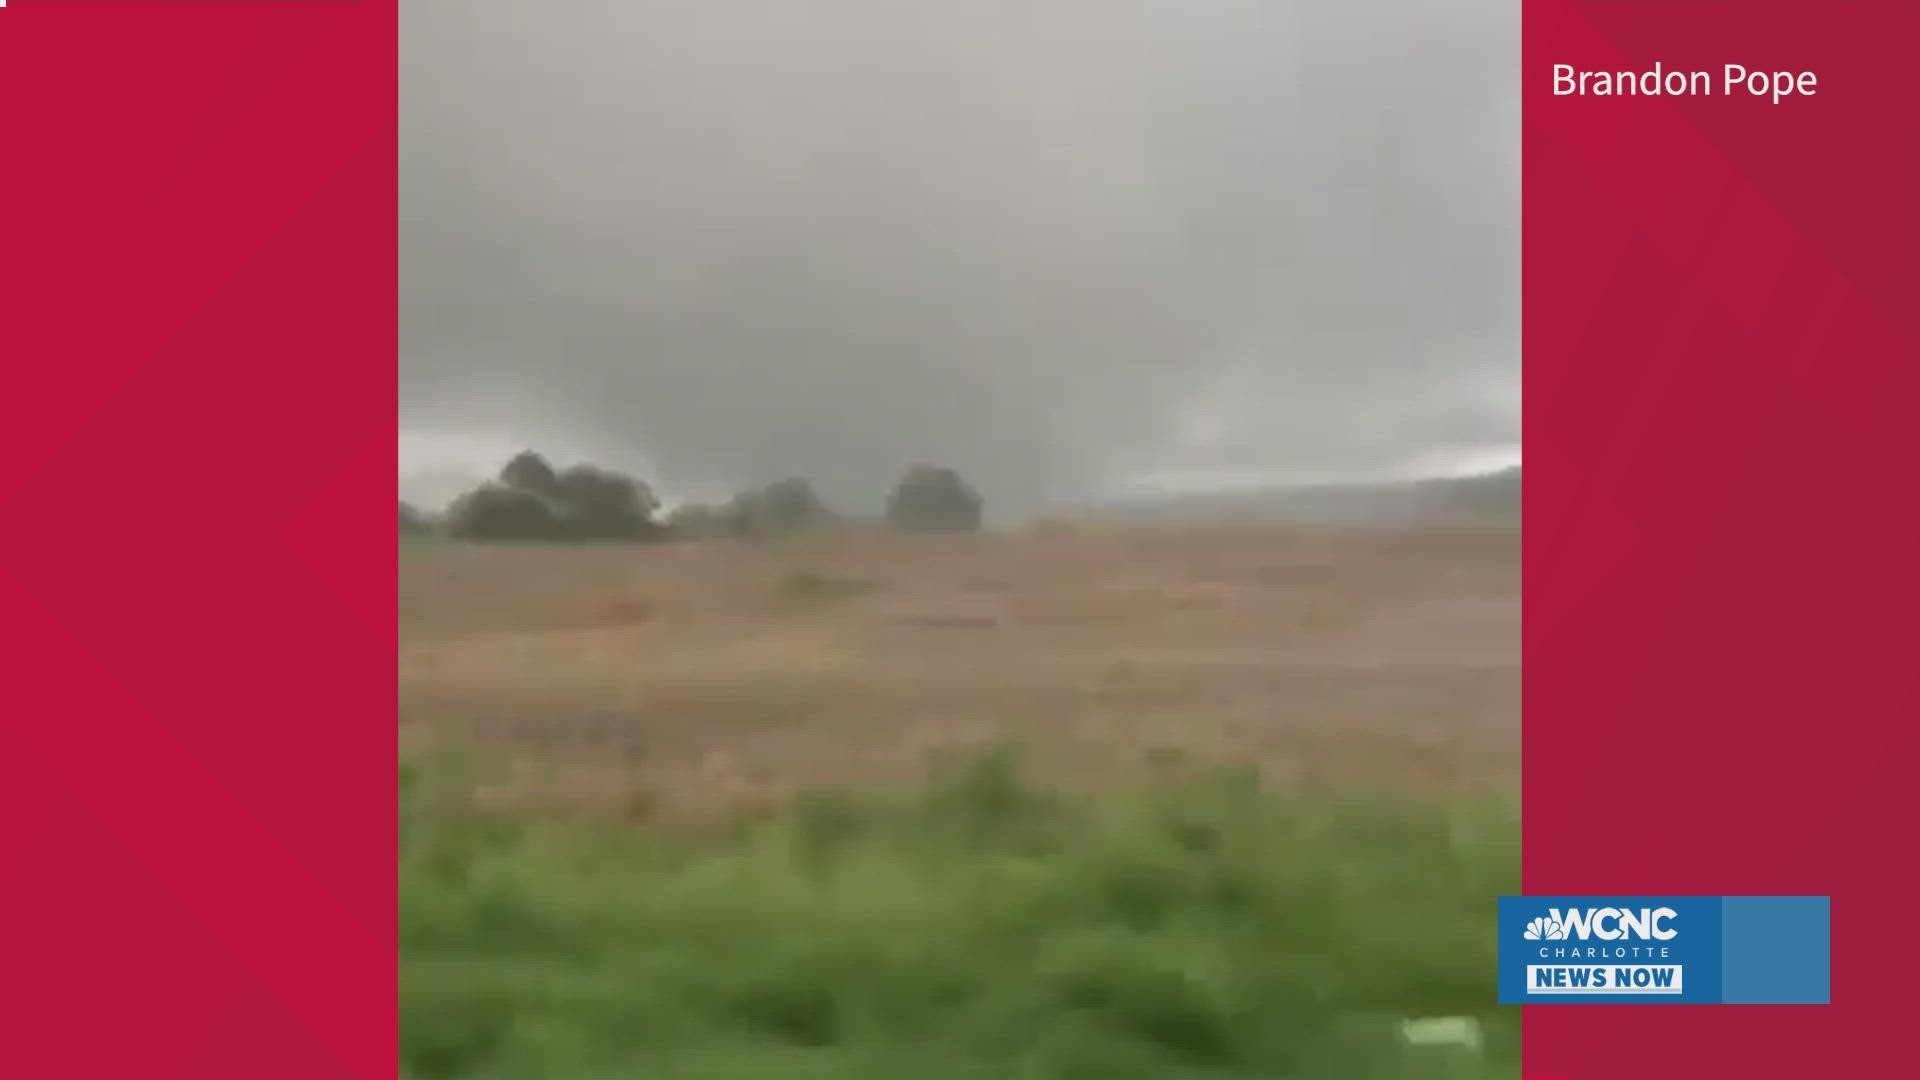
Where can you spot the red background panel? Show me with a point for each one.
(1723, 563)
(198, 321)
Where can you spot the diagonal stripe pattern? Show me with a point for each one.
(197, 328)
(1720, 350)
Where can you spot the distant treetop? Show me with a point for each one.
(529, 471)
(531, 501)
(931, 498)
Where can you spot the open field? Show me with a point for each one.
(1264, 807)
(676, 677)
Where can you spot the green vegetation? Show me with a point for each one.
(532, 501)
(933, 499)
(787, 506)
(987, 930)
(820, 585)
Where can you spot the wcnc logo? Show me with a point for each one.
(1607, 924)
(1557, 950)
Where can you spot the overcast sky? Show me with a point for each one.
(1066, 246)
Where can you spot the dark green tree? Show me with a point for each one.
(783, 506)
(599, 504)
(530, 501)
(529, 471)
(933, 499)
(500, 512)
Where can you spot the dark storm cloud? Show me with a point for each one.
(1059, 245)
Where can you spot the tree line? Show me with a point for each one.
(531, 500)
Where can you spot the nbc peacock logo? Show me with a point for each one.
(1545, 929)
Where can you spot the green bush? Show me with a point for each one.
(989, 929)
(819, 585)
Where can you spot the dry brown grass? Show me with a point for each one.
(666, 677)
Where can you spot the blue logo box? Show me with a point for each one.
(1664, 950)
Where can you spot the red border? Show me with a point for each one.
(1723, 556)
(197, 328)
(197, 322)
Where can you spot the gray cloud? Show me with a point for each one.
(1059, 245)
